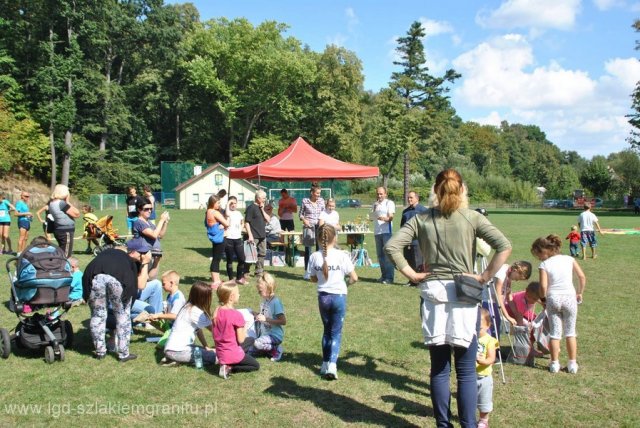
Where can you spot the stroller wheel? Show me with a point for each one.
(5, 343)
(61, 353)
(68, 329)
(49, 355)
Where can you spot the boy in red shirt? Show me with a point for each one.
(574, 241)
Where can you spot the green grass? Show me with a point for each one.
(383, 367)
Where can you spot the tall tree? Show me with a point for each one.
(597, 177)
(634, 118)
(417, 87)
(626, 165)
(251, 76)
(333, 117)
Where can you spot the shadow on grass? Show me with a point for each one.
(203, 251)
(368, 370)
(341, 406)
(83, 343)
(407, 407)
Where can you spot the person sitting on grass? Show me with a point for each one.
(194, 316)
(270, 320)
(175, 301)
(229, 334)
(75, 295)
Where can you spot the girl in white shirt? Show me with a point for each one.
(233, 240)
(328, 267)
(558, 292)
(330, 215)
(194, 316)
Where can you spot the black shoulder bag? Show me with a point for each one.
(468, 289)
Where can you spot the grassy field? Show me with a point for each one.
(383, 367)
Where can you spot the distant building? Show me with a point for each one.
(194, 192)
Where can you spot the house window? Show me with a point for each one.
(217, 179)
(240, 197)
(195, 198)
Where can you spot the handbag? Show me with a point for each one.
(468, 289)
(214, 232)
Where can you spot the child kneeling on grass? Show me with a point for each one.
(190, 320)
(270, 320)
(175, 301)
(229, 334)
(487, 346)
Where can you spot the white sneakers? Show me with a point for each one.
(306, 276)
(572, 367)
(332, 372)
(329, 371)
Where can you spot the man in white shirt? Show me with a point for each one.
(587, 220)
(381, 214)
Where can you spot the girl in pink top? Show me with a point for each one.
(523, 304)
(229, 334)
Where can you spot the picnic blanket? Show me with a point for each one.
(613, 231)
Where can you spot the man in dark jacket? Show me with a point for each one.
(412, 252)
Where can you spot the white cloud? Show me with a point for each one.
(434, 28)
(540, 14)
(607, 4)
(496, 73)
(577, 111)
(493, 119)
(337, 39)
(340, 39)
(352, 19)
(624, 71)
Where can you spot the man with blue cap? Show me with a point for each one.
(112, 280)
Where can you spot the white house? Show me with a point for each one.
(194, 193)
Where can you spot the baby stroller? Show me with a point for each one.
(102, 233)
(40, 288)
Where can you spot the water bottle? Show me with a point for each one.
(197, 357)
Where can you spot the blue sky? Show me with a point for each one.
(568, 66)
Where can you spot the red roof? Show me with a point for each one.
(301, 162)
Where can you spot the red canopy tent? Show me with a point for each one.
(301, 162)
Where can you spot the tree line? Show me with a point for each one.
(96, 94)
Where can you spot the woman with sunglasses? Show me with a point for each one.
(150, 232)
